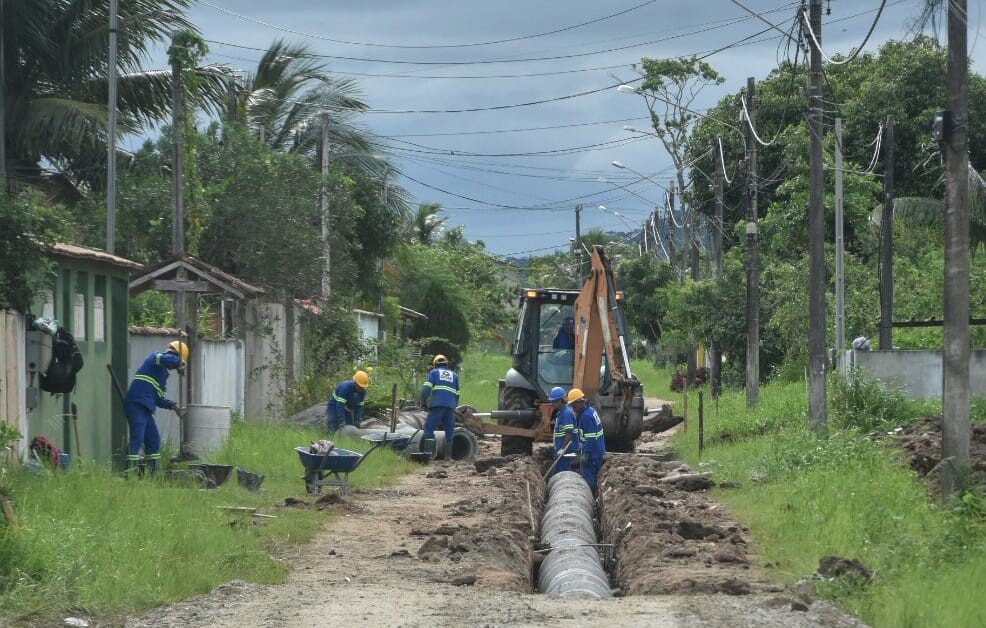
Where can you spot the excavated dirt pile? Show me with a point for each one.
(668, 535)
(920, 447)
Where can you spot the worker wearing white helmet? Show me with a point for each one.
(146, 393)
(345, 406)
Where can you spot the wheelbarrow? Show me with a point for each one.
(333, 468)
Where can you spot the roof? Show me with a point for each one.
(407, 312)
(97, 255)
(368, 313)
(141, 330)
(220, 279)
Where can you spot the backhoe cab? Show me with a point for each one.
(597, 363)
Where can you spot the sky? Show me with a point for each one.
(507, 113)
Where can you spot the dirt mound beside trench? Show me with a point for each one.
(669, 535)
(919, 444)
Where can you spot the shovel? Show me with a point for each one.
(564, 454)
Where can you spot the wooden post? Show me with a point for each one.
(701, 422)
(393, 408)
(177, 159)
(887, 245)
(752, 255)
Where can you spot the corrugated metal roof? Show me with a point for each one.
(83, 252)
(141, 330)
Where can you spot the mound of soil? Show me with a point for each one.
(920, 446)
(669, 535)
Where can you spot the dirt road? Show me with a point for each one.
(454, 549)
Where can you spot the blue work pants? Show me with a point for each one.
(445, 416)
(143, 432)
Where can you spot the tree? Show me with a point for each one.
(55, 85)
(426, 223)
(29, 229)
(642, 280)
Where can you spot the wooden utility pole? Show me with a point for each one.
(673, 234)
(955, 359)
(231, 99)
(752, 253)
(111, 132)
(324, 198)
(887, 244)
(817, 409)
(177, 158)
(840, 262)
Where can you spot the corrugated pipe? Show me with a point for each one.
(464, 444)
(573, 567)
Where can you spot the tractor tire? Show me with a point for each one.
(517, 399)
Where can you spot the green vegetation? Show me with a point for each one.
(479, 376)
(804, 497)
(91, 540)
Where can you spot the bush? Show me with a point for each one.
(860, 402)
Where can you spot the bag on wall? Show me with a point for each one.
(66, 361)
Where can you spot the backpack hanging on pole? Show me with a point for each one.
(66, 361)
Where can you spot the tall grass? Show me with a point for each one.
(478, 379)
(90, 541)
(804, 497)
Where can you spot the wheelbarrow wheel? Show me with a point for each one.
(312, 479)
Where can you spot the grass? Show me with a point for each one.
(92, 542)
(479, 377)
(804, 497)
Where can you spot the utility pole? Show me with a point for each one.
(887, 244)
(324, 197)
(752, 253)
(955, 357)
(3, 110)
(817, 410)
(840, 261)
(111, 132)
(673, 233)
(578, 244)
(231, 99)
(177, 158)
(715, 351)
(720, 173)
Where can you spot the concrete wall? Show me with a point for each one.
(13, 373)
(917, 374)
(218, 376)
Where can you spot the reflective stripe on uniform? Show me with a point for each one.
(592, 434)
(150, 380)
(336, 397)
(428, 384)
(447, 389)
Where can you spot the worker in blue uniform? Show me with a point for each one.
(145, 395)
(566, 432)
(591, 433)
(565, 338)
(345, 406)
(440, 396)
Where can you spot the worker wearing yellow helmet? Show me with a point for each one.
(147, 393)
(345, 405)
(591, 432)
(440, 395)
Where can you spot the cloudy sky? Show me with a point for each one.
(506, 112)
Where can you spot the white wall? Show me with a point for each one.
(217, 376)
(13, 372)
(917, 374)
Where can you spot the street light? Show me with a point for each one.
(623, 166)
(627, 89)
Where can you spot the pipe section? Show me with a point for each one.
(573, 567)
(464, 443)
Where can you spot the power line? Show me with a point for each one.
(432, 46)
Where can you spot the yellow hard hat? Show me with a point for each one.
(180, 348)
(362, 379)
(575, 394)
(439, 359)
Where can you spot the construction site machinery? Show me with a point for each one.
(598, 364)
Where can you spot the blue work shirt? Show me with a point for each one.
(565, 426)
(347, 398)
(151, 381)
(564, 339)
(591, 431)
(441, 388)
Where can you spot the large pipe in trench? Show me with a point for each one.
(572, 567)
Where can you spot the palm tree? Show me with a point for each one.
(55, 85)
(426, 224)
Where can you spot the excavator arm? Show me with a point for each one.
(600, 330)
